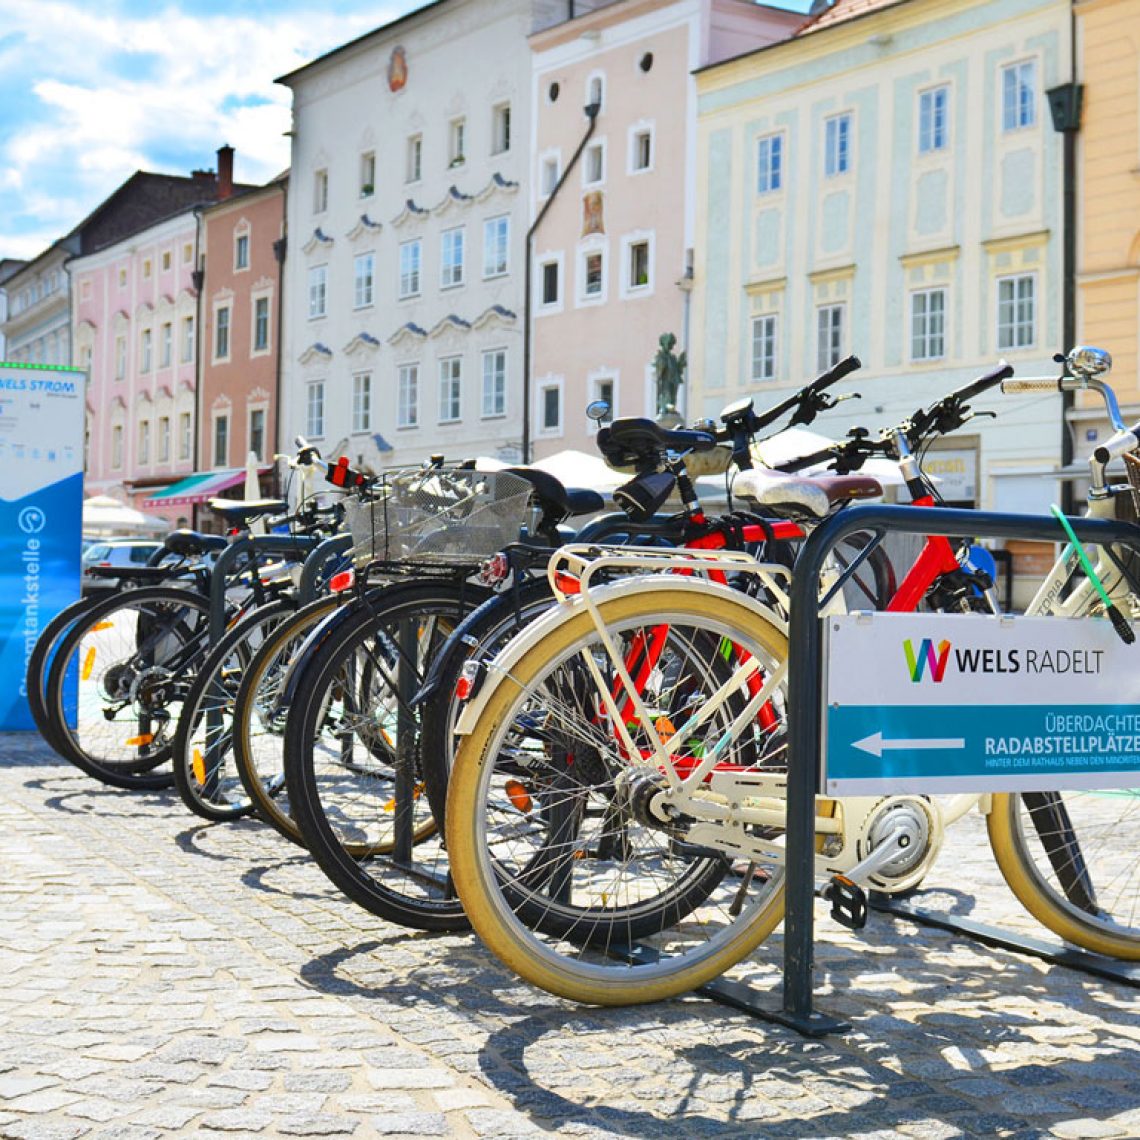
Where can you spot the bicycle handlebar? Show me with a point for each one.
(1032, 384)
(976, 387)
(801, 398)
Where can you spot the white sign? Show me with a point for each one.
(955, 473)
(928, 703)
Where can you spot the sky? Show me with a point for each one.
(95, 91)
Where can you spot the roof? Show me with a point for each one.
(840, 11)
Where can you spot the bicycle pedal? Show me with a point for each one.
(848, 902)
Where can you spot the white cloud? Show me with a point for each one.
(102, 95)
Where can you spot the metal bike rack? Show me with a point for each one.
(317, 563)
(805, 681)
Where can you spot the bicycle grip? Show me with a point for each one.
(836, 373)
(999, 374)
(1031, 384)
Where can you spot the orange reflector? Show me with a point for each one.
(665, 729)
(140, 741)
(198, 764)
(338, 583)
(101, 625)
(417, 791)
(88, 664)
(518, 795)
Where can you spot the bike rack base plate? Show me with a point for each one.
(1126, 972)
(739, 995)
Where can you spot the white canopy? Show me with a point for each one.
(103, 515)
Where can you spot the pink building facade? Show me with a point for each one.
(135, 313)
(241, 245)
(612, 257)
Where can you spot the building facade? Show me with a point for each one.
(242, 251)
(889, 183)
(612, 263)
(37, 327)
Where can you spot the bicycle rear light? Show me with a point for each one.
(468, 680)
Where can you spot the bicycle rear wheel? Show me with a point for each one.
(1068, 858)
(564, 868)
(39, 665)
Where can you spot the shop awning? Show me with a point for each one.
(196, 488)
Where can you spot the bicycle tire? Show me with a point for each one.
(39, 663)
(259, 722)
(738, 914)
(351, 763)
(205, 771)
(175, 631)
(1067, 858)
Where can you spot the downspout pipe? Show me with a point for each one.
(280, 252)
(591, 110)
(198, 279)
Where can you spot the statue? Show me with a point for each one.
(669, 371)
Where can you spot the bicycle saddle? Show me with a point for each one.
(813, 497)
(551, 493)
(192, 543)
(238, 511)
(626, 440)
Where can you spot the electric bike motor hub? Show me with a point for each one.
(919, 824)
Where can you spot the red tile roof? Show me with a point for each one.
(841, 11)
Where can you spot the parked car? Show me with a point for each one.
(113, 552)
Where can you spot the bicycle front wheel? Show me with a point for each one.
(1068, 859)
(564, 868)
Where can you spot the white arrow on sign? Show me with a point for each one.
(876, 745)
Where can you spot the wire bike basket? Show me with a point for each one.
(437, 517)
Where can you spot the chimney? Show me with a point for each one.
(225, 172)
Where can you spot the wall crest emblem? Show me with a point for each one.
(397, 69)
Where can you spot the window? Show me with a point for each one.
(550, 284)
(257, 432)
(501, 128)
(146, 353)
(829, 326)
(928, 324)
(837, 145)
(241, 251)
(641, 150)
(1016, 322)
(595, 91)
(550, 173)
(362, 402)
(320, 191)
(122, 280)
(120, 357)
(146, 273)
(318, 282)
(166, 259)
(117, 446)
(1019, 95)
(594, 274)
(451, 258)
(495, 383)
(933, 108)
(261, 324)
(450, 379)
(315, 409)
(550, 408)
(165, 345)
(414, 158)
(187, 253)
(410, 253)
(408, 396)
(764, 347)
(769, 163)
(595, 168)
(164, 439)
(362, 266)
(184, 435)
(144, 441)
(638, 265)
(222, 333)
(496, 232)
(605, 388)
(368, 174)
(187, 339)
(457, 137)
(221, 439)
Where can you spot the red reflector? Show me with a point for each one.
(566, 583)
(338, 583)
(463, 688)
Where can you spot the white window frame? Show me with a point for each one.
(830, 353)
(408, 395)
(545, 384)
(770, 163)
(457, 141)
(496, 406)
(315, 409)
(927, 327)
(1009, 341)
(411, 268)
(629, 288)
(594, 382)
(263, 411)
(452, 254)
(320, 190)
(637, 132)
(241, 251)
(364, 280)
(185, 435)
(367, 173)
(166, 345)
(501, 128)
(549, 172)
(186, 355)
(256, 300)
(1019, 113)
(144, 443)
(361, 403)
(318, 291)
(120, 357)
(541, 306)
(222, 351)
(116, 447)
(146, 351)
(498, 269)
(584, 254)
(934, 119)
(838, 145)
(414, 158)
(596, 79)
(450, 389)
(765, 347)
(598, 147)
(162, 442)
(223, 418)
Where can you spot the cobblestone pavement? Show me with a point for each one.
(163, 977)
